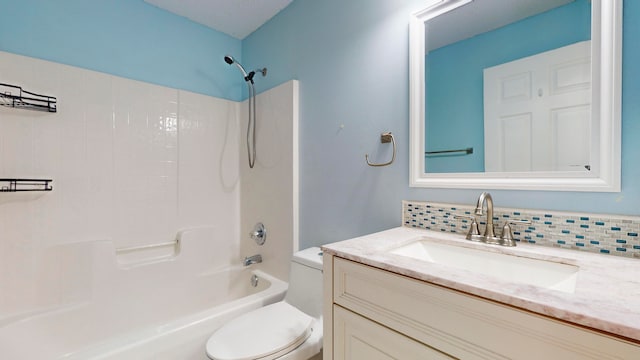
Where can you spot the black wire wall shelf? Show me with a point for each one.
(15, 97)
(19, 185)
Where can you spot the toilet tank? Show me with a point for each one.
(305, 281)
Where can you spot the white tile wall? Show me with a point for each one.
(270, 190)
(131, 162)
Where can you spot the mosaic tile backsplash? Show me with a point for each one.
(604, 234)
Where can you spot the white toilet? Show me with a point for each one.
(287, 330)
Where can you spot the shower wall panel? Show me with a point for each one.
(131, 163)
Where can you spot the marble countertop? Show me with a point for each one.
(606, 297)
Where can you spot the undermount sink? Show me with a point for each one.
(516, 269)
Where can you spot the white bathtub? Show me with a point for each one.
(162, 309)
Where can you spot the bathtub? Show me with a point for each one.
(162, 307)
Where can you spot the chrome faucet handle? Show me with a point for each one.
(474, 231)
(507, 234)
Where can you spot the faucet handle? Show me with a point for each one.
(507, 234)
(474, 230)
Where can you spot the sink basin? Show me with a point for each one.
(522, 270)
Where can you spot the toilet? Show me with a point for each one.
(287, 330)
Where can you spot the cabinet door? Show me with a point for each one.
(358, 338)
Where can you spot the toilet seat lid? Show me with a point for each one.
(265, 333)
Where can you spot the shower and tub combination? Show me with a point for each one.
(98, 272)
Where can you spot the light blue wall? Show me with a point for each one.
(455, 79)
(351, 58)
(128, 38)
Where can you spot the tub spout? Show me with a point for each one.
(250, 260)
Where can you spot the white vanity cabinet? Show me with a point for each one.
(376, 314)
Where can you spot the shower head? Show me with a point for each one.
(247, 77)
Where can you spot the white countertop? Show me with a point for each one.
(606, 297)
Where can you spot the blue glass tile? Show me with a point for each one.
(580, 244)
(579, 236)
(604, 251)
(548, 223)
(539, 236)
(594, 242)
(527, 231)
(516, 213)
(561, 242)
(584, 218)
(536, 218)
(548, 215)
(636, 247)
(632, 234)
(599, 223)
(532, 241)
(615, 228)
(621, 249)
(531, 227)
(571, 221)
(620, 241)
(566, 232)
(516, 233)
(584, 226)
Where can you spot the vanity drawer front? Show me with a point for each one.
(357, 338)
(465, 326)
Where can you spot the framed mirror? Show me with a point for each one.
(521, 95)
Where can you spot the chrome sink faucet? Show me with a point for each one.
(489, 234)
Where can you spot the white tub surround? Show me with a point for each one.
(141, 237)
(269, 191)
(606, 296)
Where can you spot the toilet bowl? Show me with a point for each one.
(287, 330)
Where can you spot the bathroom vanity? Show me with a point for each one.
(403, 293)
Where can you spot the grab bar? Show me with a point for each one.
(466, 151)
(384, 138)
(175, 242)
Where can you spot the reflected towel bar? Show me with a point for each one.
(145, 247)
(466, 151)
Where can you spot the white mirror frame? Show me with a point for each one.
(606, 52)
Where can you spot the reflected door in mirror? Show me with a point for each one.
(537, 112)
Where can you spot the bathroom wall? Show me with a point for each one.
(132, 163)
(127, 38)
(351, 59)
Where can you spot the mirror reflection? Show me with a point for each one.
(508, 88)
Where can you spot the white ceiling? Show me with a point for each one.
(238, 18)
